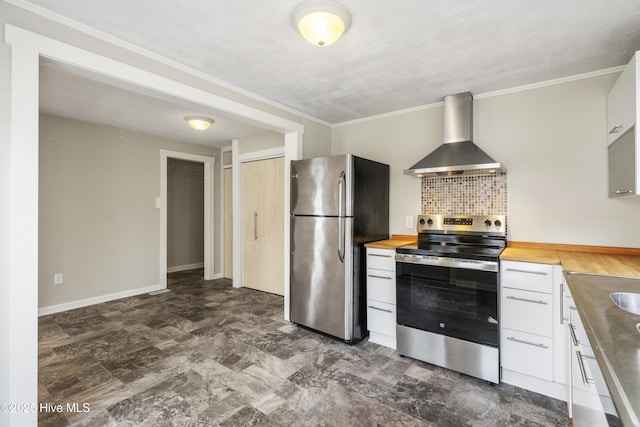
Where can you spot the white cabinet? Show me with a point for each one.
(622, 102)
(587, 404)
(532, 352)
(622, 118)
(381, 296)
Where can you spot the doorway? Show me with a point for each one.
(185, 215)
(208, 210)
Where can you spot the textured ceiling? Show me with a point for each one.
(396, 55)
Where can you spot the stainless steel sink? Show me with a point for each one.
(627, 301)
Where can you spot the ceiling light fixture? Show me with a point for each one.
(199, 122)
(321, 22)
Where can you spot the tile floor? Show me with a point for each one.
(207, 354)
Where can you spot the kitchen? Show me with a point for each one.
(536, 132)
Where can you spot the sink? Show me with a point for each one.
(627, 301)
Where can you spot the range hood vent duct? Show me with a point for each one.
(458, 155)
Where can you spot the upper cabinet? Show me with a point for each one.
(621, 102)
(622, 110)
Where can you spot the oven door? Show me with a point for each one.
(457, 302)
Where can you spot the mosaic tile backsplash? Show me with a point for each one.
(465, 195)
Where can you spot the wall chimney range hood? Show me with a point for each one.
(458, 155)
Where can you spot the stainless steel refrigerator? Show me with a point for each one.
(338, 204)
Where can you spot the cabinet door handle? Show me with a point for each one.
(381, 255)
(527, 300)
(514, 339)
(255, 226)
(574, 338)
(623, 191)
(517, 270)
(583, 371)
(380, 277)
(615, 129)
(561, 303)
(380, 309)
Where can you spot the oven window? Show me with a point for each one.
(452, 301)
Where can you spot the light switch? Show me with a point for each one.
(408, 222)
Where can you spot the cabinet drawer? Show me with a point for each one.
(528, 276)
(381, 259)
(381, 286)
(527, 353)
(527, 311)
(381, 317)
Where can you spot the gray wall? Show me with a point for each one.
(98, 221)
(552, 140)
(185, 213)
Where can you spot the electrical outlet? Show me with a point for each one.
(408, 222)
(57, 279)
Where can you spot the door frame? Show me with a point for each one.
(21, 334)
(209, 209)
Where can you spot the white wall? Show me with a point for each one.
(98, 221)
(552, 140)
(261, 141)
(185, 213)
(5, 139)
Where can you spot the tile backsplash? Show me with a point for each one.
(465, 195)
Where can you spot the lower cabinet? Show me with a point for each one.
(381, 296)
(590, 399)
(532, 351)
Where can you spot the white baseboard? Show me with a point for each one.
(551, 389)
(51, 309)
(185, 267)
(382, 339)
(218, 276)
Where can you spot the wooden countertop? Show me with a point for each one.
(609, 264)
(395, 241)
(540, 256)
(578, 258)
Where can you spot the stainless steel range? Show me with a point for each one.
(447, 293)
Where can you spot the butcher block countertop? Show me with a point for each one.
(577, 258)
(395, 241)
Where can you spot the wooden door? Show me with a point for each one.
(263, 225)
(228, 223)
(273, 255)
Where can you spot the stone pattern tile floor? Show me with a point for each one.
(207, 354)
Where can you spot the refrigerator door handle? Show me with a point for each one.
(341, 196)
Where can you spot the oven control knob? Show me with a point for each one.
(487, 223)
(430, 221)
(497, 223)
(421, 221)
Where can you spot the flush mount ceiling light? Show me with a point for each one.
(199, 122)
(321, 22)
